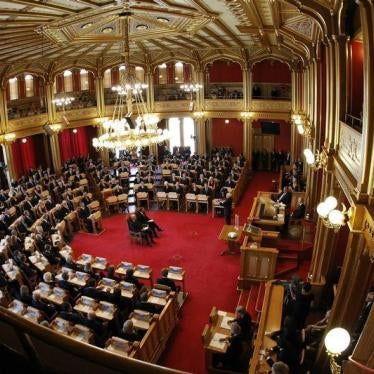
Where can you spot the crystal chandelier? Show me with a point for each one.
(63, 101)
(120, 132)
(191, 87)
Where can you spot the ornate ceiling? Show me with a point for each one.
(38, 32)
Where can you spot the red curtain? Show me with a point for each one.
(23, 156)
(187, 73)
(73, 144)
(170, 73)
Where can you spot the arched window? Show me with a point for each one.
(29, 85)
(162, 75)
(13, 88)
(107, 79)
(139, 73)
(68, 81)
(178, 70)
(84, 80)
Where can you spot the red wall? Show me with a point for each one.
(228, 134)
(282, 142)
(225, 71)
(357, 78)
(271, 71)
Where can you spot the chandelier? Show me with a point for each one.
(331, 217)
(191, 87)
(121, 132)
(63, 101)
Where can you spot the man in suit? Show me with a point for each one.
(299, 212)
(165, 281)
(227, 206)
(47, 309)
(136, 226)
(285, 197)
(145, 220)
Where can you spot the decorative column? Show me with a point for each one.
(55, 152)
(247, 122)
(201, 136)
(150, 90)
(100, 103)
(247, 139)
(104, 153)
(366, 182)
(3, 110)
(51, 107)
(8, 159)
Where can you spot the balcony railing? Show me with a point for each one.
(224, 91)
(82, 99)
(30, 106)
(271, 91)
(170, 92)
(354, 122)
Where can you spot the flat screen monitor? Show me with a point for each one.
(272, 128)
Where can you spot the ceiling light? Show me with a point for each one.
(24, 140)
(163, 19)
(75, 131)
(107, 30)
(227, 121)
(86, 25)
(162, 66)
(141, 27)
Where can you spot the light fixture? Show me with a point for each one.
(302, 124)
(142, 27)
(63, 101)
(331, 217)
(123, 130)
(337, 341)
(191, 87)
(86, 25)
(227, 121)
(107, 30)
(9, 137)
(24, 140)
(28, 77)
(55, 127)
(316, 160)
(75, 131)
(163, 19)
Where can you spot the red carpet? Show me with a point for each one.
(190, 241)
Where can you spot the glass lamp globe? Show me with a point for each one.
(309, 156)
(323, 210)
(300, 129)
(337, 340)
(331, 202)
(336, 217)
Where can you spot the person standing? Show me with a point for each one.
(227, 207)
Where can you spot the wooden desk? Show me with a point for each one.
(212, 333)
(263, 211)
(232, 243)
(270, 320)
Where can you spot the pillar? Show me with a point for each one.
(8, 159)
(247, 140)
(247, 88)
(51, 107)
(100, 103)
(201, 136)
(150, 90)
(3, 111)
(55, 152)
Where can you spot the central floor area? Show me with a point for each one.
(190, 241)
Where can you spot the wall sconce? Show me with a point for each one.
(227, 121)
(75, 131)
(331, 217)
(337, 341)
(199, 114)
(303, 126)
(246, 115)
(24, 140)
(316, 160)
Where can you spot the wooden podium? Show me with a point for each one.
(257, 264)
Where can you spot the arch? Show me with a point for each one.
(165, 60)
(347, 12)
(224, 56)
(20, 71)
(281, 59)
(72, 66)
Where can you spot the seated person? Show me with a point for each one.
(142, 187)
(167, 188)
(129, 332)
(299, 212)
(99, 329)
(136, 226)
(47, 309)
(83, 214)
(143, 304)
(193, 189)
(142, 217)
(68, 313)
(206, 190)
(129, 277)
(165, 281)
(244, 320)
(231, 359)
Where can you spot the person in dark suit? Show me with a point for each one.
(47, 309)
(165, 281)
(299, 212)
(129, 278)
(83, 214)
(128, 332)
(227, 207)
(206, 190)
(136, 226)
(244, 320)
(68, 314)
(285, 197)
(100, 332)
(145, 220)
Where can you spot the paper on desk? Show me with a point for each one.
(215, 342)
(221, 313)
(224, 322)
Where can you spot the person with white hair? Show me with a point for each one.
(244, 320)
(280, 367)
(231, 360)
(129, 332)
(48, 277)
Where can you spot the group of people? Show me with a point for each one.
(270, 161)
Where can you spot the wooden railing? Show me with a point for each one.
(50, 351)
(241, 184)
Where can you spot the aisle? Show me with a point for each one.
(190, 241)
